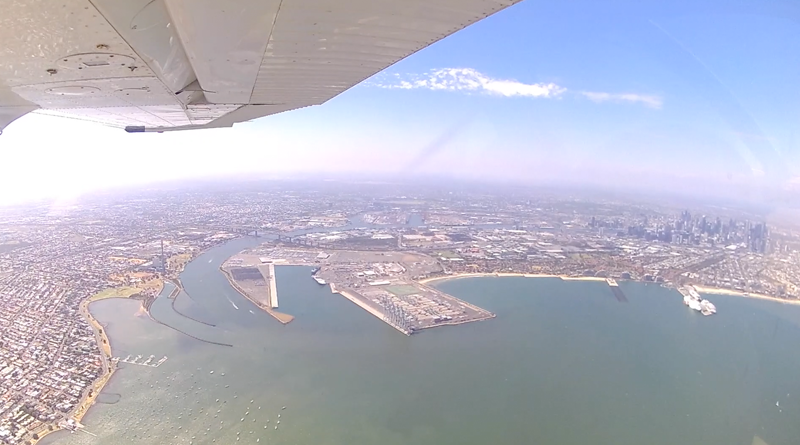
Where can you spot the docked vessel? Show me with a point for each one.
(693, 299)
(707, 308)
(319, 280)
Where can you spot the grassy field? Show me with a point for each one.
(448, 254)
(115, 292)
(402, 290)
(127, 291)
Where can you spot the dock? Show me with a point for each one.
(360, 302)
(273, 287)
(135, 360)
(612, 283)
(257, 284)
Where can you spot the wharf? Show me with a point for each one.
(135, 361)
(612, 283)
(367, 307)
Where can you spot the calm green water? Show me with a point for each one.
(563, 363)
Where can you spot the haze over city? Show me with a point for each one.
(620, 95)
(506, 222)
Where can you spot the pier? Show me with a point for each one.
(257, 284)
(273, 287)
(149, 361)
(367, 307)
(612, 283)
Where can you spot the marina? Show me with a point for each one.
(149, 361)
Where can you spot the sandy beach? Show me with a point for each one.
(97, 386)
(508, 274)
(734, 293)
(701, 289)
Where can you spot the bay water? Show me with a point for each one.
(562, 363)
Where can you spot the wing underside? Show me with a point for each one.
(160, 65)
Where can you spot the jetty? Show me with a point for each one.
(149, 361)
(257, 284)
(612, 283)
(360, 302)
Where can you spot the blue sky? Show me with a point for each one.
(682, 95)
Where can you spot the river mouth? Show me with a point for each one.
(563, 362)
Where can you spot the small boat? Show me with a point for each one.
(283, 408)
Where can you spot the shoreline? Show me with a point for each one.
(280, 316)
(507, 274)
(87, 401)
(701, 289)
(735, 293)
(105, 348)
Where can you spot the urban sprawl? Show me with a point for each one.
(379, 242)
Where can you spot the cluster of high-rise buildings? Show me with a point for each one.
(686, 229)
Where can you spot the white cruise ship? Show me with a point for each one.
(693, 299)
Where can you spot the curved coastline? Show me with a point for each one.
(90, 396)
(507, 274)
(736, 293)
(701, 289)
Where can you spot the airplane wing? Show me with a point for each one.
(161, 65)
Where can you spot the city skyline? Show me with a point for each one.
(689, 98)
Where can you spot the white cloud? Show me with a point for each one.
(648, 100)
(470, 80)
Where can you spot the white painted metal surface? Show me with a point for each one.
(176, 64)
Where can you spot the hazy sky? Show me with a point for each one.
(678, 95)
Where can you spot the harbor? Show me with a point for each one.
(362, 365)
